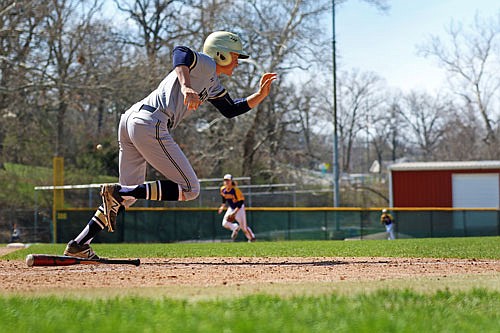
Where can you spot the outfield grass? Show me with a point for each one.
(384, 311)
(469, 247)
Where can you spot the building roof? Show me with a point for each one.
(453, 165)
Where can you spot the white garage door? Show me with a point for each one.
(476, 190)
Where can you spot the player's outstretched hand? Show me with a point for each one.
(191, 98)
(264, 88)
(265, 83)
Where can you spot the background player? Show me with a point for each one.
(387, 220)
(144, 132)
(233, 199)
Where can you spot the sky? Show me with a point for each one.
(386, 43)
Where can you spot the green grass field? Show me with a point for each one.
(384, 311)
(397, 307)
(472, 247)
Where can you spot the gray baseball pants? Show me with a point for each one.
(145, 138)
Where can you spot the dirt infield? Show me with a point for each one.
(195, 274)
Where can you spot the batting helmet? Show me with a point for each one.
(219, 44)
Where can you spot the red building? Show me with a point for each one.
(473, 184)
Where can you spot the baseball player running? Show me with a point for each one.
(144, 132)
(388, 221)
(233, 199)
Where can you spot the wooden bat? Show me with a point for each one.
(53, 260)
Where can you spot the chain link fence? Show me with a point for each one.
(164, 225)
(33, 227)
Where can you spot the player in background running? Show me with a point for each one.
(235, 218)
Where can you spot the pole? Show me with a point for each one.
(58, 200)
(336, 196)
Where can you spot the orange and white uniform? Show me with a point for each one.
(233, 199)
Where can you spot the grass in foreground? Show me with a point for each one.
(384, 311)
(469, 247)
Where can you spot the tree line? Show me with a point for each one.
(69, 68)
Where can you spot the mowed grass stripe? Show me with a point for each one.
(383, 311)
(468, 247)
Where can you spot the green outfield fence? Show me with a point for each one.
(140, 225)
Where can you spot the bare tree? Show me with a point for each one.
(156, 28)
(64, 29)
(279, 39)
(161, 24)
(469, 55)
(460, 141)
(359, 94)
(424, 116)
(19, 24)
(388, 136)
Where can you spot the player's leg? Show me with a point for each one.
(145, 134)
(164, 154)
(150, 137)
(252, 235)
(152, 140)
(233, 226)
(390, 230)
(241, 217)
(135, 171)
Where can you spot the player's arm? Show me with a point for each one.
(223, 204)
(184, 60)
(231, 108)
(228, 107)
(221, 208)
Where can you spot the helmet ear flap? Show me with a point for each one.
(223, 58)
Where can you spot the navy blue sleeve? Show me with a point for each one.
(183, 55)
(228, 107)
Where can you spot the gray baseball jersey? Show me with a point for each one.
(168, 98)
(144, 137)
(144, 131)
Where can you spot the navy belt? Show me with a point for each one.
(153, 109)
(147, 108)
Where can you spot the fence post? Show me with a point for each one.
(288, 227)
(326, 224)
(90, 197)
(250, 196)
(58, 198)
(294, 195)
(35, 218)
(361, 224)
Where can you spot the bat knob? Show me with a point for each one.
(30, 260)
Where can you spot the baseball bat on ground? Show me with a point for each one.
(53, 260)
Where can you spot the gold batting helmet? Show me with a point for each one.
(219, 44)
